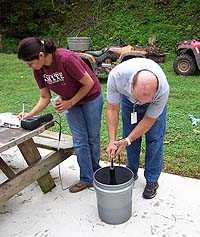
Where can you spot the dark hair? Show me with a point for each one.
(30, 47)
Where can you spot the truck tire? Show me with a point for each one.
(185, 65)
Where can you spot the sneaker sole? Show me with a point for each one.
(150, 197)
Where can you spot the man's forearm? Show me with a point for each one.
(112, 124)
(143, 126)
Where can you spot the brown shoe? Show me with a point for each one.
(79, 187)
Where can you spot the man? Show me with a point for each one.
(141, 87)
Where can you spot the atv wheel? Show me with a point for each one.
(185, 65)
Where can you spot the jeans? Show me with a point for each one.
(154, 139)
(85, 122)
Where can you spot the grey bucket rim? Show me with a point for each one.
(78, 43)
(117, 185)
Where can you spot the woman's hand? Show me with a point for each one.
(62, 105)
(23, 115)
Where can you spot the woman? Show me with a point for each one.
(63, 72)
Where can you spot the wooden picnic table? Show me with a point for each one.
(38, 167)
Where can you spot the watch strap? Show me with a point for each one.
(128, 141)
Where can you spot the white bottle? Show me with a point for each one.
(53, 102)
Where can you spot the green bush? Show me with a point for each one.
(104, 21)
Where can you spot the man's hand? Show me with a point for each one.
(111, 149)
(121, 146)
(62, 105)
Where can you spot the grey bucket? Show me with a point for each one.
(114, 201)
(78, 43)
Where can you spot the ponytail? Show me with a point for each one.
(49, 46)
(30, 47)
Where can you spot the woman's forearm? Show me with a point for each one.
(82, 92)
(87, 84)
(40, 106)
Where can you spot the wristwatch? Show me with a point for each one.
(128, 141)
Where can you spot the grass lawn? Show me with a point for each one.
(182, 141)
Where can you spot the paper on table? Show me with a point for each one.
(9, 120)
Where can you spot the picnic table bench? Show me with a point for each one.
(38, 166)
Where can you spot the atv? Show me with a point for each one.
(102, 61)
(187, 61)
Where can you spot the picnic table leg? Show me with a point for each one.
(6, 169)
(31, 155)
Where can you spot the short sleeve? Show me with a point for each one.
(113, 95)
(156, 108)
(39, 78)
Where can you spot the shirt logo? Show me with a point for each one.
(53, 78)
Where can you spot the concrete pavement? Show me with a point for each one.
(174, 212)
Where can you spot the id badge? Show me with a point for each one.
(133, 117)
